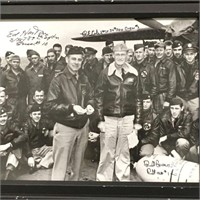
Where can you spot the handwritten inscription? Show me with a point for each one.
(96, 32)
(32, 36)
(157, 167)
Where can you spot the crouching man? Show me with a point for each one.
(69, 103)
(173, 127)
(116, 96)
(11, 141)
(38, 153)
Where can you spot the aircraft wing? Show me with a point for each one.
(137, 34)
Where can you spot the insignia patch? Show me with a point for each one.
(146, 126)
(144, 74)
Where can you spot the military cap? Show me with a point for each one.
(34, 108)
(28, 52)
(190, 46)
(159, 44)
(120, 47)
(8, 53)
(3, 110)
(176, 44)
(145, 96)
(168, 43)
(90, 51)
(138, 46)
(176, 101)
(151, 44)
(108, 42)
(76, 50)
(33, 52)
(106, 50)
(15, 57)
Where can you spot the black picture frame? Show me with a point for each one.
(24, 9)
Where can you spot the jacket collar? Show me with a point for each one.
(127, 69)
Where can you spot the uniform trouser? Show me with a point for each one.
(43, 155)
(115, 156)
(65, 140)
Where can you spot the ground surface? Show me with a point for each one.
(88, 173)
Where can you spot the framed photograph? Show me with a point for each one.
(99, 99)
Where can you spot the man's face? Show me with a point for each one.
(51, 57)
(15, 64)
(159, 52)
(8, 58)
(175, 110)
(3, 119)
(74, 62)
(35, 59)
(168, 50)
(58, 51)
(3, 97)
(129, 57)
(89, 58)
(190, 56)
(36, 116)
(120, 57)
(139, 54)
(151, 52)
(147, 104)
(178, 51)
(39, 96)
(108, 57)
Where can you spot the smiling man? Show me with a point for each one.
(118, 104)
(69, 103)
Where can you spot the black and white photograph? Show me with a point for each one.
(113, 100)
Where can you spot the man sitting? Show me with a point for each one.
(11, 141)
(38, 153)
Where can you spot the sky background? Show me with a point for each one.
(62, 29)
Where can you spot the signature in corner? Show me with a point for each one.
(31, 36)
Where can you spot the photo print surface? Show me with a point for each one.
(99, 100)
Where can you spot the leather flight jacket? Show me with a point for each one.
(118, 96)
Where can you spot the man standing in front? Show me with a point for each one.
(69, 103)
(118, 104)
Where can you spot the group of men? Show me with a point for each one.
(50, 109)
